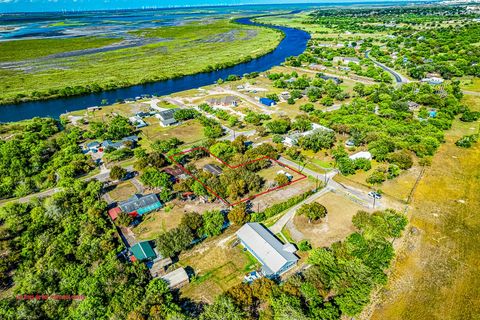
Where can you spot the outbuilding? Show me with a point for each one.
(213, 169)
(143, 251)
(268, 102)
(176, 278)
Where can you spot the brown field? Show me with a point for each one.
(336, 226)
(436, 274)
(217, 267)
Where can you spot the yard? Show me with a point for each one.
(189, 132)
(168, 218)
(335, 227)
(217, 265)
(122, 191)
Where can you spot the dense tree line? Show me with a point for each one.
(38, 155)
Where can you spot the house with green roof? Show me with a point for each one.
(143, 251)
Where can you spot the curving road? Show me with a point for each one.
(399, 79)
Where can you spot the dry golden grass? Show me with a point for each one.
(168, 218)
(217, 266)
(336, 226)
(436, 275)
(123, 191)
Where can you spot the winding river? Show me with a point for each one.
(293, 44)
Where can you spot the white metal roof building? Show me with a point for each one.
(176, 278)
(275, 257)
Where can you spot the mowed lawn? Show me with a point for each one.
(437, 273)
(190, 132)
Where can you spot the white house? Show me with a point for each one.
(276, 258)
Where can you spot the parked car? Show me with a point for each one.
(375, 195)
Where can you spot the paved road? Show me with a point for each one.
(353, 194)
(400, 79)
(472, 93)
(351, 77)
(278, 226)
(103, 176)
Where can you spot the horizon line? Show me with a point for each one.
(186, 6)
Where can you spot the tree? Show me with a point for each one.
(185, 114)
(304, 245)
(377, 177)
(279, 126)
(281, 179)
(153, 177)
(302, 124)
(124, 219)
(117, 173)
(224, 308)
(240, 144)
(313, 211)
(174, 241)
(223, 150)
(346, 166)
(238, 215)
(318, 140)
(193, 221)
(402, 159)
(308, 107)
(212, 223)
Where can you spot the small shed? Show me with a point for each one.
(114, 213)
(268, 102)
(143, 251)
(176, 278)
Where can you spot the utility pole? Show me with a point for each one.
(374, 200)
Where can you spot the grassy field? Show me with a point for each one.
(189, 132)
(122, 191)
(180, 51)
(436, 275)
(336, 226)
(217, 267)
(168, 218)
(15, 50)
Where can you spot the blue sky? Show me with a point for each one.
(55, 5)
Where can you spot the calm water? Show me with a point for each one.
(293, 44)
(111, 23)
